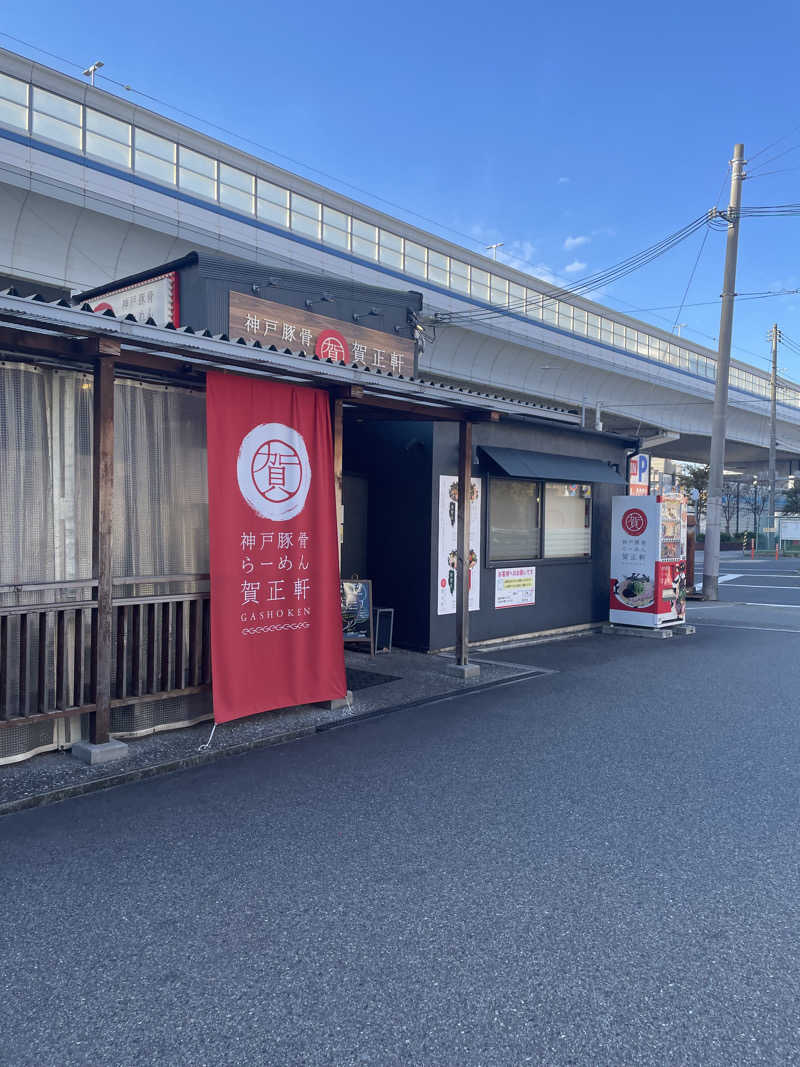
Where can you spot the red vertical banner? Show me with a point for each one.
(276, 625)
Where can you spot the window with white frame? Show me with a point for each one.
(533, 303)
(530, 519)
(564, 315)
(236, 189)
(336, 228)
(549, 310)
(13, 102)
(438, 268)
(390, 250)
(514, 519)
(567, 520)
(273, 203)
(479, 284)
(364, 239)
(415, 259)
(306, 216)
(57, 119)
(459, 276)
(154, 156)
(108, 138)
(197, 173)
(516, 298)
(498, 290)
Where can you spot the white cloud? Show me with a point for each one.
(576, 242)
(564, 181)
(574, 267)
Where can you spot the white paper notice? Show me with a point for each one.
(514, 587)
(448, 540)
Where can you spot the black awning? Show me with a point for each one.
(522, 464)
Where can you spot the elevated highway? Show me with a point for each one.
(93, 188)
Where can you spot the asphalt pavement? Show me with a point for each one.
(596, 866)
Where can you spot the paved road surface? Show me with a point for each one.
(599, 866)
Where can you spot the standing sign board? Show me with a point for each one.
(276, 625)
(356, 604)
(447, 551)
(639, 475)
(790, 529)
(648, 560)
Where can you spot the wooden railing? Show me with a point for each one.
(161, 647)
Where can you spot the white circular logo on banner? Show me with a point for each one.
(274, 472)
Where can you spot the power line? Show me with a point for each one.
(778, 155)
(691, 278)
(592, 281)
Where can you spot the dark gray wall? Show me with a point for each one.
(205, 285)
(395, 457)
(568, 592)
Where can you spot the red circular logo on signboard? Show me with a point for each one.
(634, 522)
(331, 345)
(277, 471)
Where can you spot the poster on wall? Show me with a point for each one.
(276, 623)
(448, 541)
(514, 587)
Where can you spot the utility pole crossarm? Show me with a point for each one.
(720, 411)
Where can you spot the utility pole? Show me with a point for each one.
(773, 421)
(720, 411)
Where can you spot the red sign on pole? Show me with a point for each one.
(276, 626)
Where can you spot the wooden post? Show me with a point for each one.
(338, 406)
(462, 548)
(102, 512)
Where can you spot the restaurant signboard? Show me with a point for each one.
(299, 330)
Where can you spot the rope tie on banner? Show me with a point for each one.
(207, 744)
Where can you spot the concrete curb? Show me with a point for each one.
(198, 759)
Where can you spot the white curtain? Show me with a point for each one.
(160, 492)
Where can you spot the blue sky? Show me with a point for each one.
(577, 134)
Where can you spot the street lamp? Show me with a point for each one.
(90, 71)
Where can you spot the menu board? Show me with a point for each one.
(356, 601)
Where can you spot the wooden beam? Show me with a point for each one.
(102, 514)
(462, 547)
(408, 407)
(168, 364)
(30, 343)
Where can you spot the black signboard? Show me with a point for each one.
(356, 599)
